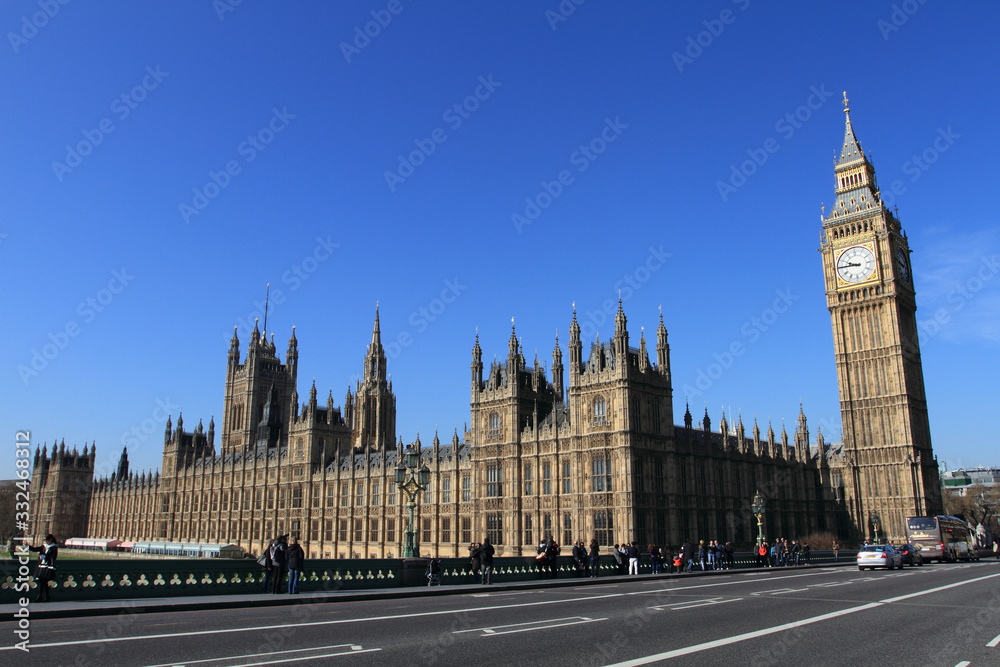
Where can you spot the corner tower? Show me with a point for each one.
(374, 403)
(889, 471)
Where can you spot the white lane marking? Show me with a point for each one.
(661, 607)
(964, 663)
(994, 642)
(697, 648)
(937, 588)
(705, 604)
(395, 617)
(308, 657)
(547, 624)
(780, 591)
(831, 584)
(353, 647)
(687, 650)
(497, 595)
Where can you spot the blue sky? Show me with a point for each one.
(164, 161)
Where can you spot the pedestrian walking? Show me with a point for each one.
(296, 563)
(595, 558)
(279, 561)
(836, 551)
(654, 557)
(45, 571)
(476, 561)
(633, 558)
(688, 556)
(265, 562)
(552, 557)
(730, 551)
(710, 554)
(486, 552)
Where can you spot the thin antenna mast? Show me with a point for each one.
(266, 298)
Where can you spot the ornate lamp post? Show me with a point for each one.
(757, 507)
(876, 522)
(411, 480)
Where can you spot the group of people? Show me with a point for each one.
(587, 560)
(785, 552)
(481, 561)
(282, 555)
(548, 557)
(711, 556)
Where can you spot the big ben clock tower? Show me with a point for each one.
(889, 470)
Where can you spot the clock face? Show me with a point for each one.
(856, 264)
(902, 265)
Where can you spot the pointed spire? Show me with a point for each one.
(293, 348)
(574, 327)
(620, 321)
(512, 344)
(255, 334)
(851, 150)
(688, 419)
(376, 330)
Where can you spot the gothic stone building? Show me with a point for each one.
(599, 456)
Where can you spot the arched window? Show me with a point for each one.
(600, 411)
(494, 424)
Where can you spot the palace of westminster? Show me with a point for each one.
(597, 456)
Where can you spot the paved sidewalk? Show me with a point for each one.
(76, 608)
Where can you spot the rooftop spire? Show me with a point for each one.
(267, 298)
(851, 150)
(376, 331)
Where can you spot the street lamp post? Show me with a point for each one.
(411, 480)
(876, 522)
(757, 507)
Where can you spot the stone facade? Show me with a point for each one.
(597, 456)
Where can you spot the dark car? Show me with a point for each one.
(910, 554)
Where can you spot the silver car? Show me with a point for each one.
(879, 555)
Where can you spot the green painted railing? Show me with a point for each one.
(119, 579)
(104, 579)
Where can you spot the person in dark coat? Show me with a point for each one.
(46, 569)
(486, 552)
(265, 563)
(688, 555)
(595, 558)
(580, 558)
(296, 563)
(279, 561)
(476, 561)
(552, 557)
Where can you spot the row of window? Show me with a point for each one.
(259, 499)
(600, 478)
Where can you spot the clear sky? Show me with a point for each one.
(464, 163)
